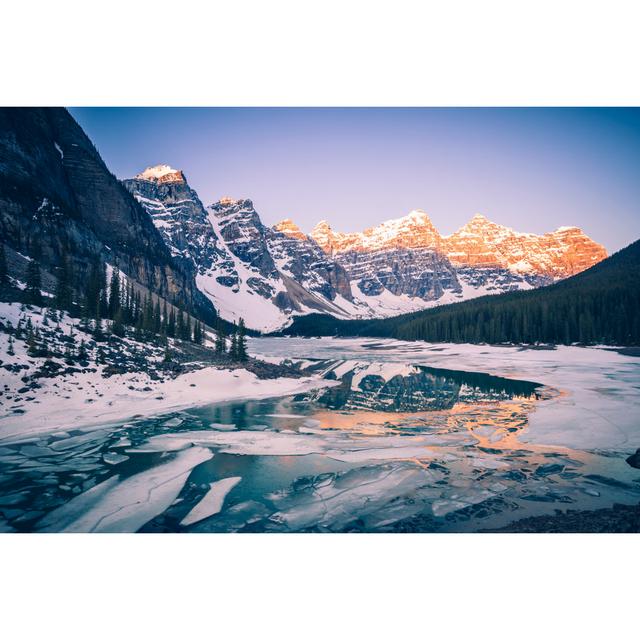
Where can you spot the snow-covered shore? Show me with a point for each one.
(599, 404)
(87, 396)
(84, 400)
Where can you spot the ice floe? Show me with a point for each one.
(212, 501)
(124, 505)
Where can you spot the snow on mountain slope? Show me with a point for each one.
(268, 275)
(414, 230)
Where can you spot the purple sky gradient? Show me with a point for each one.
(530, 169)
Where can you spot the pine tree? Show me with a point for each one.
(221, 339)
(63, 294)
(115, 301)
(117, 326)
(31, 343)
(187, 330)
(157, 318)
(180, 326)
(10, 350)
(171, 324)
(147, 315)
(97, 328)
(241, 342)
(103, 301)
(97, 322)
(82, 351)
(139, 328)
(233, 351)
(93, 289)
(198, 336)
(33, 289)
(165, 318)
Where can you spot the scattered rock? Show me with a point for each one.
(634, 459)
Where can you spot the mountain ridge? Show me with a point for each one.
(269, 275)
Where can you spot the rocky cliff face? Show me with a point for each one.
(57, 196)
(299, 257)
(245, 269)
(179, 216)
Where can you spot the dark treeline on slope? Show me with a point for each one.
(598, 306)
(115, 305)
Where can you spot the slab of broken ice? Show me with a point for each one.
(125, 505)
(212, 501)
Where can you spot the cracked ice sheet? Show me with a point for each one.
(363, 493)
(335, 445)
(125, 506)
(212, 501)
(598, 409)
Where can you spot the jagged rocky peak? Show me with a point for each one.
(239, 225)
(228, 206)
(290, 228)
(177, 213)
(413, 231)
(559, 254)
(161, 173)
(323, 235)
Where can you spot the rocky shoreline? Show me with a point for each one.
(620, 518)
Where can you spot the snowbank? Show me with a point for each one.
(89, 399)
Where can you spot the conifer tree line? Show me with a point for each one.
(120, 302)
(123, 305)
(598, 306)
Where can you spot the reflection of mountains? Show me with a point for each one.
(408, 388)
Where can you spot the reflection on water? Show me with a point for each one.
(391, 447)
(407, 388)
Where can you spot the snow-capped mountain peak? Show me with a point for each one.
(290, 228)
(415, 230)
(558, 254)
(228, 200)
(161, 173)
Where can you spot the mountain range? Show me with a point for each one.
(58, 198)
(600, 305)
(269, 275)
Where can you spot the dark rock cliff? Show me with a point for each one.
(57, 196)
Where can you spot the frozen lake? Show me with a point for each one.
(410, 437)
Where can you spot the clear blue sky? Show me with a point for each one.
(531, 169)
